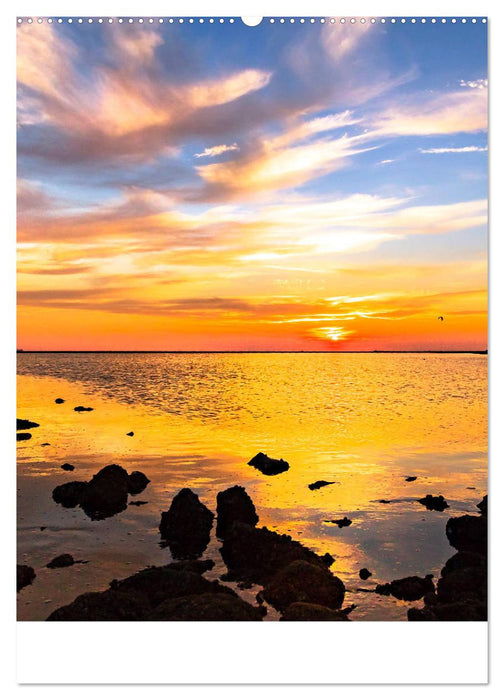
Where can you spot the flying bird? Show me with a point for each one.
(440, 318)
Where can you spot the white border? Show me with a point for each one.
(313, 652)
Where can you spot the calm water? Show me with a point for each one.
(363, 421)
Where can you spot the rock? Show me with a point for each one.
(468, 533)
(464, 560)
(300, 612)
(130, 434)
(138, 503)
(61, 561)
(68, 495)
(343, 522)
(409, 588)
(463, 585)
(137, 482)
(319, 484)
(434, 502)
(59, 400)
(382, 500)
(410, 478)
(106, 494)
(24, 575)
(304, 582)
(257, 554)
(67, 467)
(364, 574)
(268, 466)
(186, 525)
(108, 606)
(80, 409)
(207, 607)
(22, 424)
(45, 444)
(451, 612)
(234, 505)
(23, 436)
(483, 506)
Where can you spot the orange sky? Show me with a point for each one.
(171, 203)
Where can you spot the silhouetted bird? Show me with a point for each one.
(440, 318)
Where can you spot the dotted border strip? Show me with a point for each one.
(232, 20)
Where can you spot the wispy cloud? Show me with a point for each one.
(462, 149)
(213, 151)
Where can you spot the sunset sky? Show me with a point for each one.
(283, 187)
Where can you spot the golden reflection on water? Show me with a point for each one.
(363, 421)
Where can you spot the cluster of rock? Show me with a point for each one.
(104, 495)
(461, 592)
(295, 580)
(267, 465)
(23, 425)
(175, 592)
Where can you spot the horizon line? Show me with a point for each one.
(245, 352)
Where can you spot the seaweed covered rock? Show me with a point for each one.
(106, 494)
(304, 582)
(434, 502)
(468, 533)
(409, 588)
(69, 494)
(106, 606)
(186, 525)
(24, 576)
(137, 482)
(257, 554)
(306, 612)
(176, 591)
(234, 505)
(61, 561)
(319, 484)
(207, 607)
(22, 424)
(267, 465)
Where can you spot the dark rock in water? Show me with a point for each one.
(147, 594)
(303, 582)
(108, 606)
(67, 467)
(409, 588)
(22, 424)
(434, 502)
(23, 436)
(186, 525)
(137, 482)
(450, 612)
(343, 522)
(59, 400)
(463, 585)
(483, 506)
(45, 444)
(80, 409)
(234, 505)
(130, 434)
(364, 574)
(464, 560)
(468, 533)
(382, 500)
(43, 527)
(207, 607)
(138, 503)
(410, 478)
(319, 484)
(61, 561)
(25, 575)
(257, 554)
(268, 466)
(106, 494)
(300, 612)
(68, 495)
